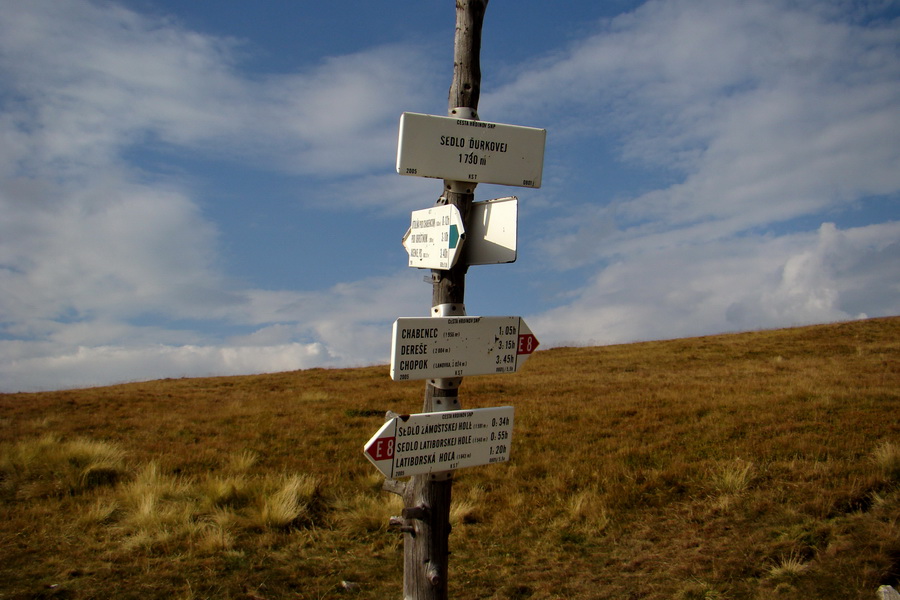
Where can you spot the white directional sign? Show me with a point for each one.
(434, 237)
(475, 151)
(439, 347)
(493, 230)
(441, 441)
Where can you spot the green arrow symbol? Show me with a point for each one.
(454, 236)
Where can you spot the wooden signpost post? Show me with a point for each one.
(448, 345)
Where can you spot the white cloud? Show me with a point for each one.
(110, 273)
(766, 110)
(734, 285)
(764, 114)
(106, 246)
(96, 78)
(87, 366)
(346, 325)
(344, 113)
(758, 113)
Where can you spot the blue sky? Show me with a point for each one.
(205, 188)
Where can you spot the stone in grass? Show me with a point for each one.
(886, 592)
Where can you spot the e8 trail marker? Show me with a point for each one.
(441, 441)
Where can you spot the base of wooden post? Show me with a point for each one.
(427, 546)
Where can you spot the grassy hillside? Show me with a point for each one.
(758, 465)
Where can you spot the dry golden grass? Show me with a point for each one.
(887, 459)
(749, 466)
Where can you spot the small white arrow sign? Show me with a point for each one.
(441, 441)
(435, 237)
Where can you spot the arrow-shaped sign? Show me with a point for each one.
(441, 441)
(434, 238)
(438, 347)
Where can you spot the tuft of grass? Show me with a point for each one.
(788, 567)
(221, 491)
(733, 477)
(50, 466)
(699, 590)
(219, 532)
(104, 511)
(587, 511)
(151, 486)
(887, 459)
(468, 509)
(292, 504)
(365, 513)
(242, 462)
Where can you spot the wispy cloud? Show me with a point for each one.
(93, 248)
(767, 129)
(767, 111)
(99, 78)
(763, 115)
(346, 325)
(734, 285)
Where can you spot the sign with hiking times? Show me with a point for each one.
(470, 151)
(438, 347)
(434, 238)
(441, 441)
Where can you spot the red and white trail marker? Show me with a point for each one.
(437, 347)
(441, 441)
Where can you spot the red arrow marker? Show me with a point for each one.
(381, 449)
(527, 343)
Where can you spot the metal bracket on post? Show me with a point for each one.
(455, 309)
(459, 187)
(421, 512)
(464, 112)
(447, 383)
(400, 524)
(441, 476)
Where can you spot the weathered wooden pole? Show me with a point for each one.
(426, 518)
